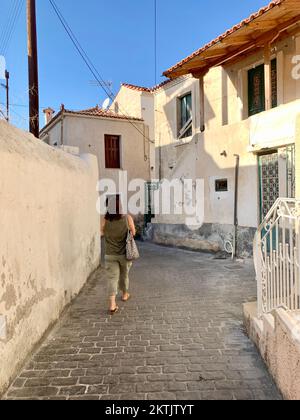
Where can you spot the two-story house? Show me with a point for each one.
(227, 115)
(247, 100)
(121, 143)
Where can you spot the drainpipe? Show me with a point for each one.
(236, 190)
(62, 125)
(144, 139)
(160, 159)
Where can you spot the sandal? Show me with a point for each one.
(114, 311)
(126, 300)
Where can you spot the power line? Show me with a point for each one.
(20, 116)
(101, 82)
(13, 26)
(90, 64)
(21, 105)
(23, 118)
(9, 29)
(7, 26)
(16, 113)
(2, 113)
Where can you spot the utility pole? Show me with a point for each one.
(33, 69)
(155, 41)
(7, 94)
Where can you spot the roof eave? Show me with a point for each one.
(242, 35)
(67, 113)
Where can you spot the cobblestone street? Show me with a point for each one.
(180, 337)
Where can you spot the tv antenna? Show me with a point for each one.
(105, 84)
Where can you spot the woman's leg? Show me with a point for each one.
(113, 274)
(125, 267)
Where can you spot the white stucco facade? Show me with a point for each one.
(138, 104)
(87, 133)
(229, 132)
(50, 239)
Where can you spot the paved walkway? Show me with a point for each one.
(180, 337)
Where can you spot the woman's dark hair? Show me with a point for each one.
(114, 210)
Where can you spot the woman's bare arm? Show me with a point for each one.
(102, 226)
(131, 225)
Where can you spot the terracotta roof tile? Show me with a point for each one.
(92, 112)
(137, 88)
(226, 34)
(146, 89)
(98, 112)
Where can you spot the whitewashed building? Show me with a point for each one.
(227, 115)
(120, 142)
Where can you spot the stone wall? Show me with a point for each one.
(277, 337)
(210, 237)
(49, 239)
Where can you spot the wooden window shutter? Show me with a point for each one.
(256, 90)
(112, 152)
(274, 83)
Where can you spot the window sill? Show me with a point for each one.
(114, 169)
(183, 142)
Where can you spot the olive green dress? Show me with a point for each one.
(117, 266)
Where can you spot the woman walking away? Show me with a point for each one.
(115, 230)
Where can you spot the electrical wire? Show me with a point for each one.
(8, 31)
(21, 117)
(13, 27)
(2, 113)
(21, 105)
(6, 28)
(90, 65)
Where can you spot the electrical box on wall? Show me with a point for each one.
(221, 185)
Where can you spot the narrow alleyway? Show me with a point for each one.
(180, 337)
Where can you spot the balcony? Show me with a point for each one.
(273, 128)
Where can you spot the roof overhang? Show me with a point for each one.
(275, 21)
(90, 113)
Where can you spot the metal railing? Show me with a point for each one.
(277, 257)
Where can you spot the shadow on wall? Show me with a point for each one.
(211, 157)
(45, 261)
(171, 109)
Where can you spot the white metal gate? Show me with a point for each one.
(277, 257)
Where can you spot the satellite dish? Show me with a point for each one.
(106, 103)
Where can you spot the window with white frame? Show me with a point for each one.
(185, 116)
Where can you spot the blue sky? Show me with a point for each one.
(119, 38)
